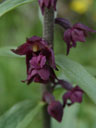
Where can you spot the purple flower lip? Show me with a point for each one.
(37, 62)
(47, 4)
(74, 95)
(38, 68)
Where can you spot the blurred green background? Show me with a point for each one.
(26, 21)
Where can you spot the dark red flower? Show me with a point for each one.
(55, 109)
(39, 60)
(74, 95)
(47, 4)
(73, 34)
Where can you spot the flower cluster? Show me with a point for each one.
(40, 63)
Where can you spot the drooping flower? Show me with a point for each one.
(55, 109)
(39, 60)
(73, 34)
(74, 95)
(47, 4)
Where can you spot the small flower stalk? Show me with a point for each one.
(40, 60)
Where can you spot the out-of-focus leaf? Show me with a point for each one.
(94, 125)
(78, 75)
(29, 117)
(82, 124)
(20, 115)
(8, 5)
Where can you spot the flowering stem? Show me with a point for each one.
(48, 35)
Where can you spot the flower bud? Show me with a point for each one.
(55, 109)
(47, 4)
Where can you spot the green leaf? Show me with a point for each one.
(78, 75)
(20, 115)
(29, 117)
(8, 5)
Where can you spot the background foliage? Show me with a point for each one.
(26, 21)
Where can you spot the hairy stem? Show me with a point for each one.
(48, 26)
(46, 116)
(48, 35)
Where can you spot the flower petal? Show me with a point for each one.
(68, 39)
(44, 73)
(33, 73)
(83, 27)
(55, 109)
(23, 49)
(78, 35)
